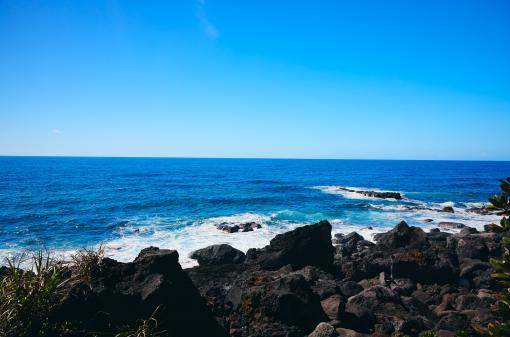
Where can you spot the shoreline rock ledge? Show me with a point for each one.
(406, 283)
(300, 285)
(373, 194)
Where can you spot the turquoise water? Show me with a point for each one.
(130, 203)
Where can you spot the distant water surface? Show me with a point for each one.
(130, 203)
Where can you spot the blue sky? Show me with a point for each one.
(286, 79)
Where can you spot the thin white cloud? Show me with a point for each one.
(56, 131)
(209, 29)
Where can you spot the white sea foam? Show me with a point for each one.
(197, 235)
(186, 237)
(416, 216)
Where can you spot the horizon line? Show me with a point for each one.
(245, 158)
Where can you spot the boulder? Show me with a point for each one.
(402, 236)
(479, 210)
(472, 246)
(350, 243)
(322, 283)
(453, 321)
(467, 231)
(132, 291)
(351, 333)
(447, 209)
(381, 309)
(288, 300)
(304, 246)
(324, 330)
(374, 194)
(228, 228)
(218, 254)
(350, 288)
(242, 227)
(451, 225)
(333, 306)
(477, 273)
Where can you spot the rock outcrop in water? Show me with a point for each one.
(374, 194)
(301, 284)
(234, 228)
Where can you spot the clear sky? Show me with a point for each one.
(288, 79)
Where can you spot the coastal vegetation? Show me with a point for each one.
(501, 204)
(29, 296)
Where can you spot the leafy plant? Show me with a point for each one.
(86, 262)
(501, 204)
(26, 296)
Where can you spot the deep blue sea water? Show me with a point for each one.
(130, 203)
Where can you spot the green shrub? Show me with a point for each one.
(501, 204)
(86, 262)
(26, 296)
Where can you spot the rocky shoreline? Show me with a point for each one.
(306, 282)
(372, 194)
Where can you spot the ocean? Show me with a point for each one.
(126, 204)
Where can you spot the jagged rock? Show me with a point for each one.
(228, 228)
(447, 209)
(333, 306)
(218, 254)
(243, 227)
(403, 286)
(350, 243)
(380, 308)
(467, 231)
(453, 321)
(350, 333)
(322, 283)
(350, 288)
(472, 246)
(477, 273)
(131, 291)
(304, 246)
(451, 225)
(435, 234)
(479, 210)
(407, 283)
(288, 300)
(324, 330)
(374, 194)
(402, 236)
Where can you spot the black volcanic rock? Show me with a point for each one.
(374, 194)
(451, 225)
(304, 246)
(218, 254)
(243, 227)
(408, 282)
(480, 210)
(287, 299)
(447, 209)
(402, 236)
(132, 291)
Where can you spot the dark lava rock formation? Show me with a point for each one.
(301, 284)
(374, 194)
